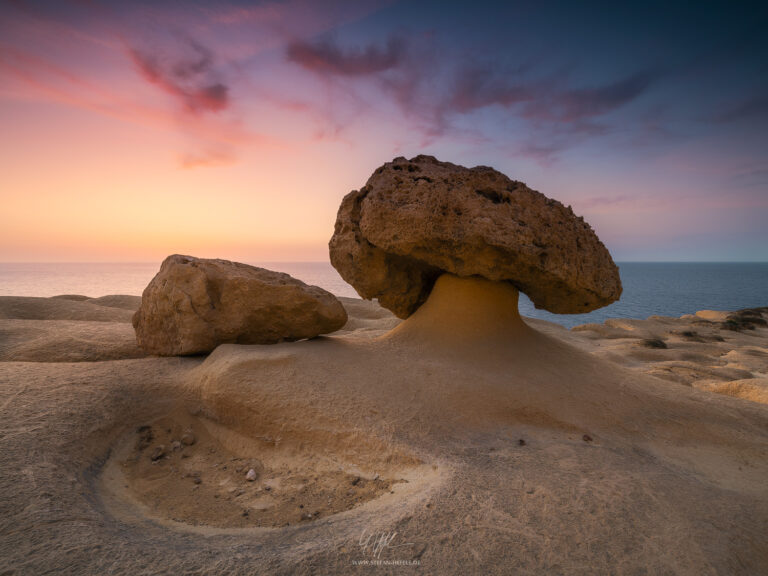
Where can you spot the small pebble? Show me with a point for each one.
(198, 480)
(306, 516)
(188, 438)
(251, 476)
(356, 481)
(176, 445)
(587, 438)
(521, 442)
(157, 453)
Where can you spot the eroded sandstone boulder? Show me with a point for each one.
(192, 305)
(417, 219)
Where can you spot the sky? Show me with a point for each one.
(134, 130)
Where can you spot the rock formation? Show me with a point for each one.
(417, 219)
(192, 305)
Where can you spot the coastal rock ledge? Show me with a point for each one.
(192, 305)
(417, 219)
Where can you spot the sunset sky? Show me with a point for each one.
(130, 131)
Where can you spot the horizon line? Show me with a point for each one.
(328, 261)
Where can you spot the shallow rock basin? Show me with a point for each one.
(190, 471)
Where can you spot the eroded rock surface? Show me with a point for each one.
(192, 305)
(416, 219)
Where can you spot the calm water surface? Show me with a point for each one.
(666, 289)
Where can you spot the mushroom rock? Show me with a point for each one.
(464, 312)
(417, 219)
(192, 305)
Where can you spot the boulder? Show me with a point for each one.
(417, 219)
(192, 305)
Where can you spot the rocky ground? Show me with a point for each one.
(723, 352)
(457, 442)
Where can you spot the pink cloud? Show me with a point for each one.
(207, 158)
(190, 78)
(30, 77)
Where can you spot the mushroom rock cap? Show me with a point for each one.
(417, 219)
(194, 304)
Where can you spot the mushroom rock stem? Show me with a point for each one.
(463, 313)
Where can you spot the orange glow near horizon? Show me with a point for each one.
(232, 131)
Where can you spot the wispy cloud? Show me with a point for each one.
(213, 139)
(752, 108)
(38, 78)
(477, 86)
(601, 202)
(191, 78)
(751, 178)
(578, 105)
(544, 100)
(327, 57)
(436, 92)
(207, 158)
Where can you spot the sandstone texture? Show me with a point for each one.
(192, 305)
(417, 219)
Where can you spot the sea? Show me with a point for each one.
(650, 288)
